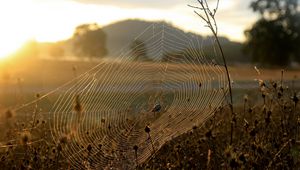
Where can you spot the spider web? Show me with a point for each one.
(103, 112)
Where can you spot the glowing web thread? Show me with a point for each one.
(103, 112)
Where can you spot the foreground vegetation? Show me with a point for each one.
(265, 136)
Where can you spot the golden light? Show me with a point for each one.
(44, 21)
(51, 20)
(9, 45)
(12, 34)
(25, 20)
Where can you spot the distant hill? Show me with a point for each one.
(122, 33)
(160, 38)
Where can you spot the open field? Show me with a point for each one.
(47, 71)
(53, 72)
(43, 76)
(116, 100)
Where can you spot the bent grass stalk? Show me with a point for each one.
(209, 18)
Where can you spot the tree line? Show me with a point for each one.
(274, 39)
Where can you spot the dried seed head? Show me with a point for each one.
(253, 132)
(250, 110)
(63, 139)
(263, 95)
(281, 89)
(227, 152)
(59, 148)
(147, 129)
(267, 120)
(25, 137)
(261, 83)
(256, 122)
(74, 68)
(242, 158)
(246, 124)
(78, 107)
(89, 148)
(269, 113)
(257, 70)
(279, 95)
(295, 98)
(245, 97)
(37, 95)
(208, 134)
(9, 114)
(274, 84)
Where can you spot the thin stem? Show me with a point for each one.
(227, 72)
(136, 160)
(135, 148)
(201, 17)
(214, 29)
(149, 137)
(35, 114)
(217, 7)
(192, 6)
(278, 153)
(281, 77)
(57, 159)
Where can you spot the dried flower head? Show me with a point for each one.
(63, 139)
(9, 114)
(147, 129)
(38, 95)
(261, 83)
(245, 97)
(89, 148)
(74, 68)
(25, 137)
(59, 148)
(295, 98)
(78, 107)
(257, 70)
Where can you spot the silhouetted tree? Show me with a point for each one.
(275, 38)
(139, 51)
(90, 41)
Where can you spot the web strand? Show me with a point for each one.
(116, 99)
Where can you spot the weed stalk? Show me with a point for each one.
(209, 18)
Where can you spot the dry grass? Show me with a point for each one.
(265, 131)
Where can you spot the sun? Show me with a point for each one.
(43, 21)
(10, 45)
(13, 34)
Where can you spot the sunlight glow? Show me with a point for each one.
(13, 34)
(55, 20)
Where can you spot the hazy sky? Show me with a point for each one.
(233, 15)
(53, 20)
